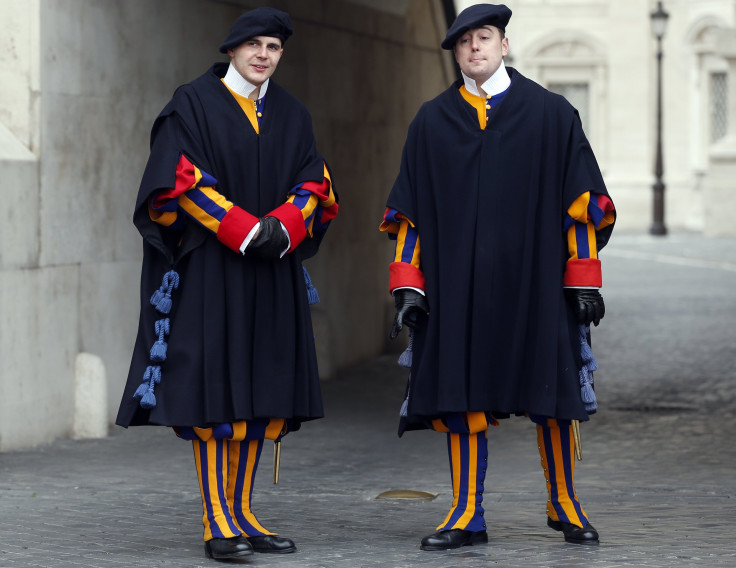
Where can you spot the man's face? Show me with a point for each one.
(479, 52)
(257, 58)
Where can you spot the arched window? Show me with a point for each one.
(574, 67)
(709, 105)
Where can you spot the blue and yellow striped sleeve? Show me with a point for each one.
(307, 203)
(326, 207)
(194, 193)
(309, 207)
(405, 270)
(588, 213)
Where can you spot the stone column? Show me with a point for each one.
(720, 186)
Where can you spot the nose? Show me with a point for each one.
(262, 52)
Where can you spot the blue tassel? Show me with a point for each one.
(144, 393)
(587, 393)
(405, 358)
(158, 351)
(161, 299)
(404, 408)
(585, 351)
(155, 375)
(149, 400)
(164, 305)
(405, 405)
(140, 391)
(157, 296)
(312, 295)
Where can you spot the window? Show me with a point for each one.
(578, 95)
(708, 93)
(718, 106)
(576, 68)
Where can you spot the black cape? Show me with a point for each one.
(489, 207)
(241, 344)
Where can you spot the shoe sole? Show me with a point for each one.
(227, 556)
(269, 551)
(473, 541)
(584, 542)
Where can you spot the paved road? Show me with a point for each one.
(658, 477)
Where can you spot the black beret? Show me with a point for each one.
(474, 17)
(262, 21)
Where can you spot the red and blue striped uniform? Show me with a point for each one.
(467, 431)
(227, 455)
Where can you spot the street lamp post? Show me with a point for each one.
(659, 25)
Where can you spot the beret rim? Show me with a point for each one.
(475, 16)
(262, 21)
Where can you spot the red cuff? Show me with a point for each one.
(291, 216)
(403, 275)
(583, 272)
(234, 227)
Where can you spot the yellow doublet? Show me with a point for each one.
(481, 105)
(248, 106)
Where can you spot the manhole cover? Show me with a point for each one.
(407, 494)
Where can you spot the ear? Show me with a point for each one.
(505, 46)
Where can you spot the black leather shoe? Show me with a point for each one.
(227, 548)
(455, 538)
(271, 543)
(575, 534)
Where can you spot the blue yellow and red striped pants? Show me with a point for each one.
(468, 453)
(227, 459)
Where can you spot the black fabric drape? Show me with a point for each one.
(241, 343)
(489, 207)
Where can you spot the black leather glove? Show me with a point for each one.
(409, 303)
(270, 241)
(587, 304)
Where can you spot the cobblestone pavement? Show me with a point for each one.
(658, 478)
